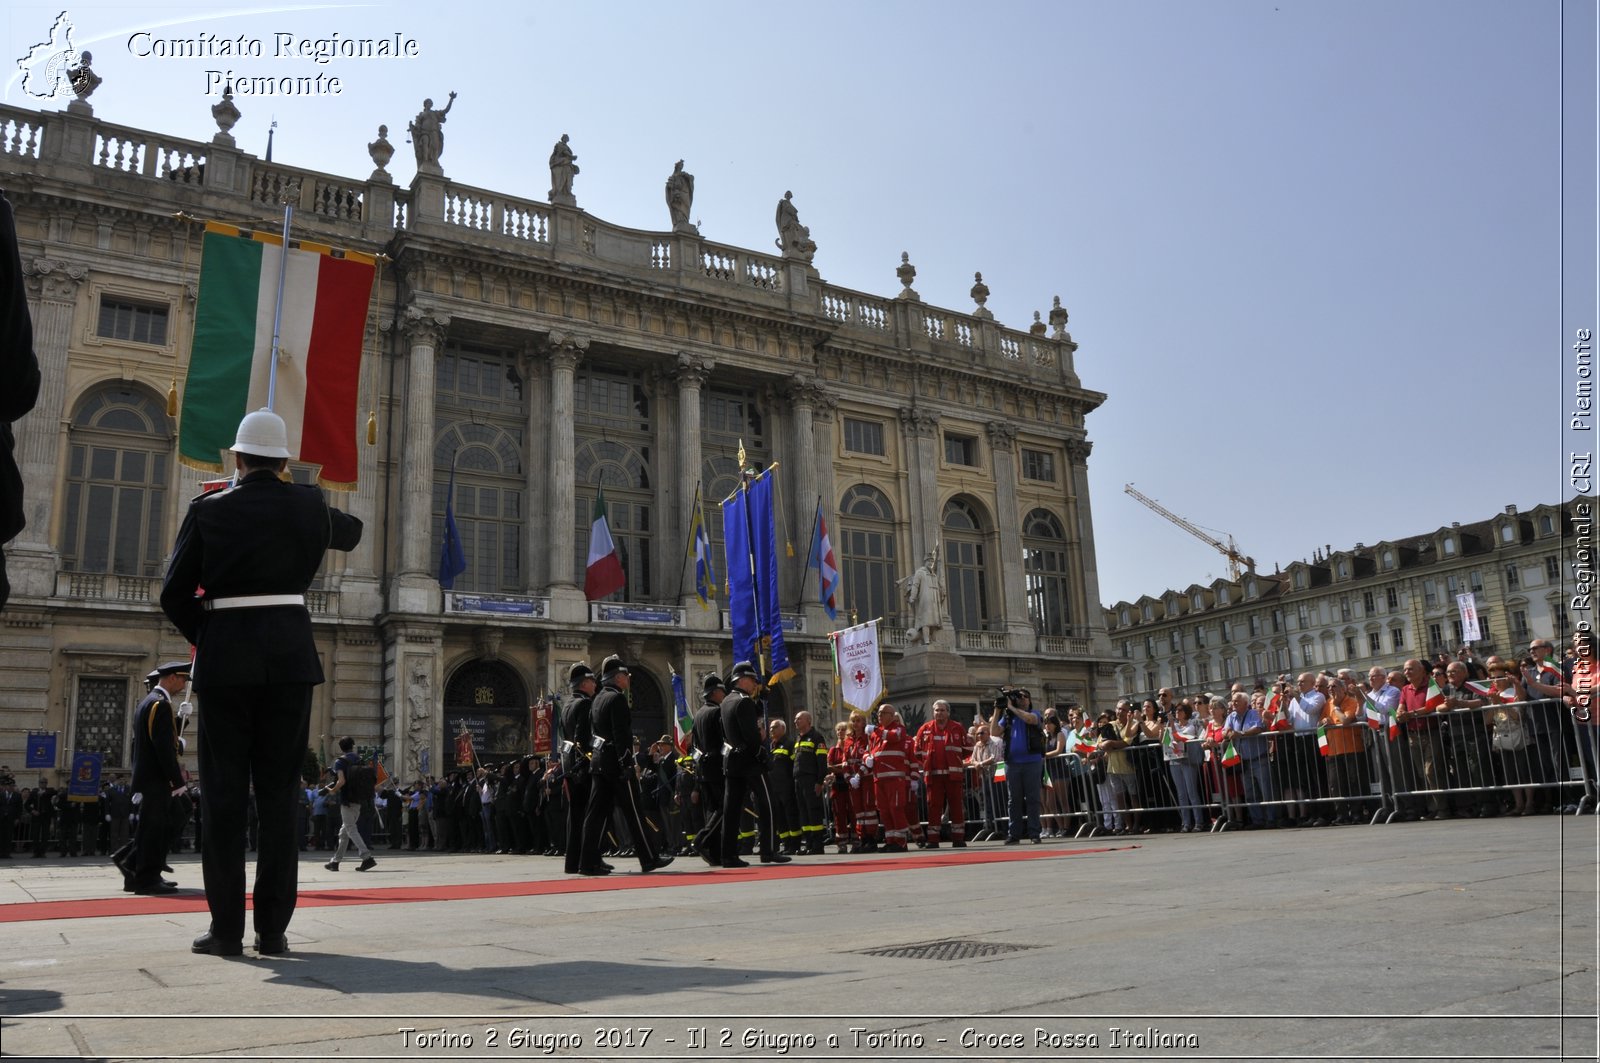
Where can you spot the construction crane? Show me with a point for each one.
(1230, 550)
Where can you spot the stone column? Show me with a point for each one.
(33, 560)
(565, 352)
(921, 431)
(691, 376)
(1008, 527)
(536, 531)
(360, 593)
(1087, 615)
(415, 589)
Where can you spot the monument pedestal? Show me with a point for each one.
(927, 673)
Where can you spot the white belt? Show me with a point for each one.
(254, 601)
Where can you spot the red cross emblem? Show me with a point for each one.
(860, 677)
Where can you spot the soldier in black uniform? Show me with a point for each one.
(614, 781)
(155, 775)
(577, 731)
(744, 765)
(254, 548)
(707, 738)
(810, 775)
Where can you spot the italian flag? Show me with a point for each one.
(604, 574)
(1083, 748)
(1000, 772)
(1487, 690)
(1372, 714)
(1230, 756)
(1435, 696)
(1322, 740)
(326, 293)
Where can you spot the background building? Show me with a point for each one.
(1352, 608)
(548, 353)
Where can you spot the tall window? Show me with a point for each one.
(863, 437)
(120, 448)
(728, 417)
(866, 527)
(614, 438)
(966, 567)
(102, 718)
(138, 322)
(1044, 568)
(479, 405)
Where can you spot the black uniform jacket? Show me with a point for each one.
(262, 536)
(155, 744)
(613, 721)
(741, 730)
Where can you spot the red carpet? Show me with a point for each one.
(193, 900)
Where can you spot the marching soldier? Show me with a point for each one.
(156, 775)
(942, 746)
(578, 731)
(744, 761)
(810, 770)
(707, 738)
(254, 548)
(614, 781)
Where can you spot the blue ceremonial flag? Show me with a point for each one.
(452, 558)
(764, 546)
(41, 750)
(705, 580)
(741, 580)
(84, 784)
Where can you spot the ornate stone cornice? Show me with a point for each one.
(424, 326)
(825, 407)
(1002, 435)
(918, 421)
(806, 391)
(55, 281)
(1078, 451)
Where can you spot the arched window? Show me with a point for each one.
(615, 435)
(866, 530)
(1044, 569)
(490, 700)
(965, 570)
(479, 404)
(119, 454)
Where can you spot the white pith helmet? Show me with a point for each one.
(263, 434)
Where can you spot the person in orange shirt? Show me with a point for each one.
(1346, 759)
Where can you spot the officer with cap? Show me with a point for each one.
(613, 778)
(707, 738)
(744, 763)
(577, 732)
(156, 775)
(254, 548)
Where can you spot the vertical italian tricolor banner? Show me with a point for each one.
(326, 293)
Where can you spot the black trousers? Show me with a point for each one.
(252, 733)
(810, 802)
(710, 782)
(577, 808)
(152, 836)
(622, 794)
(740, 788)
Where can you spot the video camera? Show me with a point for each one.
(1007, 697)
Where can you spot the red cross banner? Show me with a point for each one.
(860, 671)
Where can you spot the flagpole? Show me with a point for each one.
(816, 515)
(277, 306)
(688, 546)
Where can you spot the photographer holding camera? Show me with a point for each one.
(1022, 731)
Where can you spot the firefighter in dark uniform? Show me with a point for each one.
(744, 766)
(254, 548)
(707, 738)
(155, 775)
(810, 774)
(780, 787)
(577, 732)
(615, 784)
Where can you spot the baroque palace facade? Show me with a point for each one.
(549, 354)
(1355, 608)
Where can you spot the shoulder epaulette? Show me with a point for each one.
(203, 495)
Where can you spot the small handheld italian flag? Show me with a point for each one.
(1372, 714)
(1487, 690)
(1000, 772)
(1435, 696)
(1322, 741)
(1230, 756)
(1082, 747)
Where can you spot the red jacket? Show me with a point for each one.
(942, 747)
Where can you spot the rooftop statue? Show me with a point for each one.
(680, 197)
(563, 166)
(427, 134)
(794, 239)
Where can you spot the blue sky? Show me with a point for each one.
(1310, 250)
